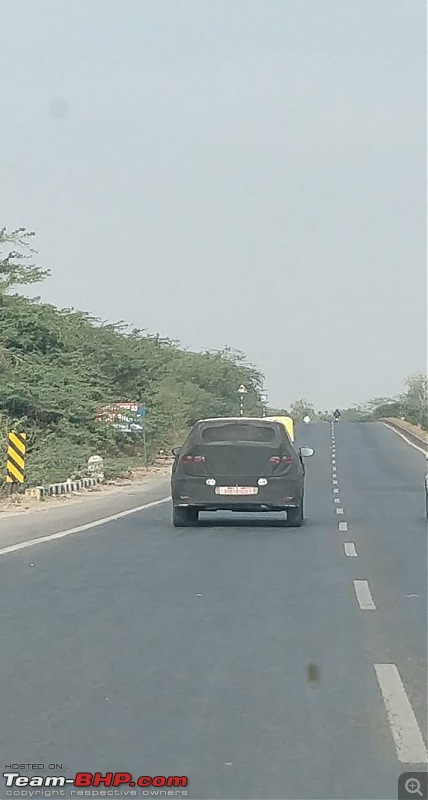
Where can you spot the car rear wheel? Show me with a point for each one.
(182, 517)
(295, 516)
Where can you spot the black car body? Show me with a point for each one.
(237, 464)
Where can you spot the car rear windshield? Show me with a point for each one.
(256, 434)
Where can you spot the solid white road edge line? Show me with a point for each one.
(31, 542)
(365, 600)
(421, 450)
(408, 740)
(350, 549)
(343, 526)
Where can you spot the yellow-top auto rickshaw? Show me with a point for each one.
(288, 424)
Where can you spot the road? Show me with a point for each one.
(240, 653)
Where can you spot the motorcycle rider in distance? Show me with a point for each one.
(336, 415)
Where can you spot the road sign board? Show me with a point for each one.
(127, 427)
(16, 447)
(122, 412)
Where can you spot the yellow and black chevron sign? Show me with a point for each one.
(16, 447)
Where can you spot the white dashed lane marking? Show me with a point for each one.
(350, 549)
(365, 600)
(335, 483)
(343, 526)
(336, 500)
(407, 736)
(335, 490)
(339, 510)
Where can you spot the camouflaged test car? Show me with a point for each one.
(238, 464)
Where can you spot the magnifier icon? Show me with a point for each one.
(413, 786)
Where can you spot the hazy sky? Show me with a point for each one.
(241, 172)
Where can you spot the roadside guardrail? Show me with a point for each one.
(57, 489)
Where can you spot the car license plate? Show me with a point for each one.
(236, 490)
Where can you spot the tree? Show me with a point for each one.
(58, 367)
(277, 412)
(410, 405)
(354, 414)
(379, 407)
(416, 398)
(13, 271)
(300, 408)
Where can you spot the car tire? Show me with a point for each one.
(295, 516)
(183, 517)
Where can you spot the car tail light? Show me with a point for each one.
(278, 459)
(275, 460)
(287, 459)
(195, 459)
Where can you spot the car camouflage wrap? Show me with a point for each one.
(229, 463)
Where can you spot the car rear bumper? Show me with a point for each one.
(279, 493)
(241, 507)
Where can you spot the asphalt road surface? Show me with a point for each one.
(258, 661)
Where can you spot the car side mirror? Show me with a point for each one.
(175, 451)
(306, 451)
